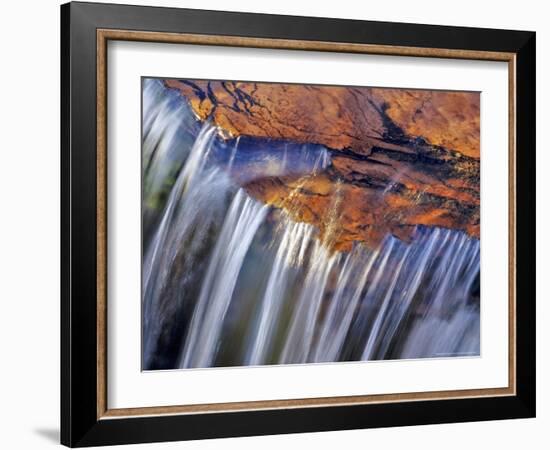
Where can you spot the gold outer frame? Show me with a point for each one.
(103, 36)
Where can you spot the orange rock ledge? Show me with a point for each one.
(400, 157)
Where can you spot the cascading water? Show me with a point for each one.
(290, 255)
(241, 223)
(228, 280)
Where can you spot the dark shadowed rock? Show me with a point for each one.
(400, 157)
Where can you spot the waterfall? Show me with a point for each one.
(211, 244)
(334, 328)
(291, 251)
(194, 207)
(168, 133)
(242, 221)
(303, 324)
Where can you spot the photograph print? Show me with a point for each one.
(302, 224)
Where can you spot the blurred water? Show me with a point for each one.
(227, 280)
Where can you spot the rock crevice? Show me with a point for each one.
(399, 157)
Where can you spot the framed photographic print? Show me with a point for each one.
(276, 224)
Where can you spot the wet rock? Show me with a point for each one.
(399, 158)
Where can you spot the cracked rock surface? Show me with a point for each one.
(399, 157)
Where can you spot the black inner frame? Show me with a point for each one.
(79, 423)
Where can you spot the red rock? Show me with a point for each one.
(400, 157)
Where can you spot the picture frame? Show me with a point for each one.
(86, 30)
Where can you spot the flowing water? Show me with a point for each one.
(227, 280)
